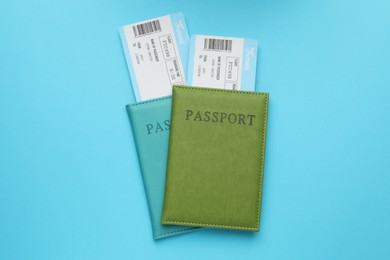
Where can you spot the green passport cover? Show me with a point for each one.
(216, 158)
(150, 122)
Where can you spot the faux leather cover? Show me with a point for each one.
(216, 158)
(150, 124)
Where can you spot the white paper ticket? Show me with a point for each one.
(156, 54)
(222, 62)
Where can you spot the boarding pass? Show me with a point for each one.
(222, 62)
(156, 53)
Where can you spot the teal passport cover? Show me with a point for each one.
(216, 158)
(150, 121)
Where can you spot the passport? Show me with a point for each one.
(150, 121)
(216, 158)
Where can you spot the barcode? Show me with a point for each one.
(146, 28)
(217, 44)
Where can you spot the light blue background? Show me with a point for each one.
(70, 186)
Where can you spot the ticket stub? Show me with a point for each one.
(156, 52)
(222, 62)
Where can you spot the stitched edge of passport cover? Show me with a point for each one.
(166, 234)
(263, 144)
